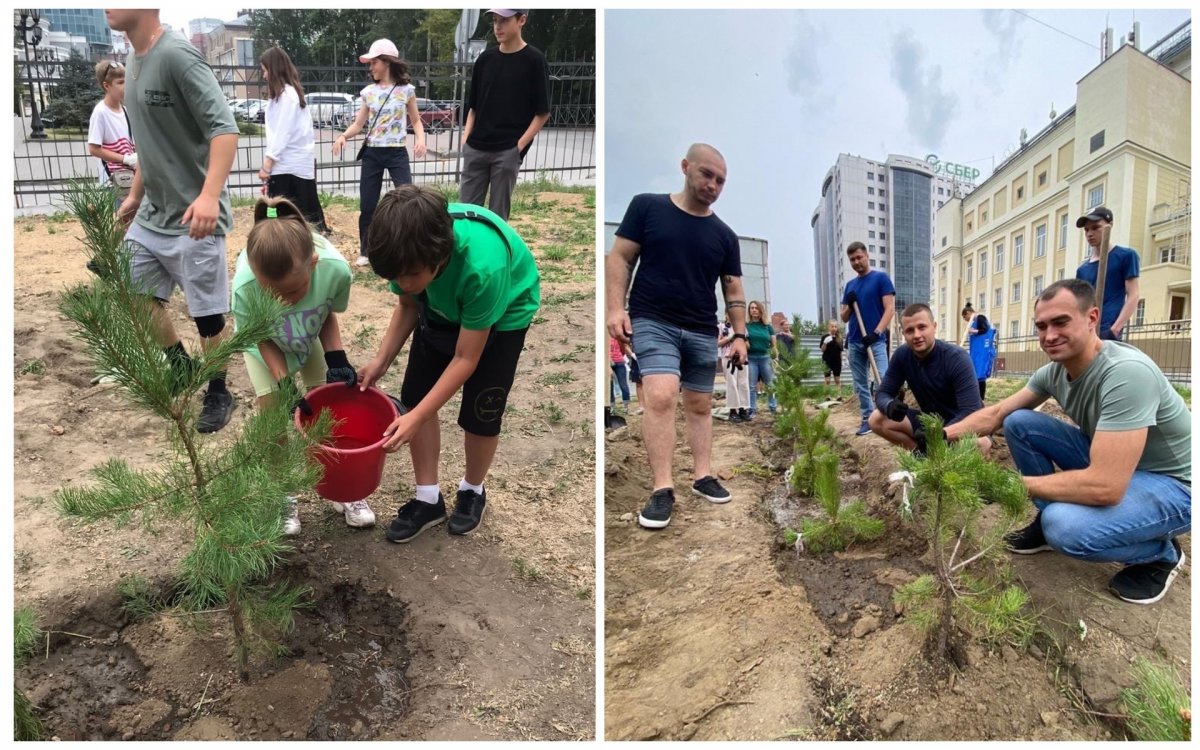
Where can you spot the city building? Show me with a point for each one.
(889, 206)
(230, 50)
(88, 23)
(1125, 144)
(198, 31)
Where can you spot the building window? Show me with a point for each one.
(970, 269)
(882, 263)
(872, 262)
(883, 235)
(1139, 317)
(1039, 241)
(982, 265)
(1095, 196)
(943, 297)
(982, 302)
(1060, 274)
(941, 191)
(870, 191)
(982, 218)
(1062, 231)
(870, 205)
(871, 234)
(1021, 193)
(997, 300)
(1037, 285)
(870, 219)
(1096, 143)
(871, 176)
(1014, 330)
(1042, 179)
(881, 178)
(944, 238)
(882, 192)
(1016, 295)
(882, 221)
(969, 225)
(1018, 250)
(940, 204)
(883, 248)
(999, 257)
(1166, 254)
(943, 271)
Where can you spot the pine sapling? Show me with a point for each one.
(970, 580)
(26, 724)
(1157, 706)
(230, 495)
(842, 525)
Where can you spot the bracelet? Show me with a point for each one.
(741, 336)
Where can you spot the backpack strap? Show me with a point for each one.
(470, 215)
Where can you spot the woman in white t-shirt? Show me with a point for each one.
(109, 139)
(388, 105)
(289, 169)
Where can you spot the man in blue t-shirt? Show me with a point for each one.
(939, 375)
(1120, 276)
(874, 297)
(681, 249)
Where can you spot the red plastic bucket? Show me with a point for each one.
(353, 455)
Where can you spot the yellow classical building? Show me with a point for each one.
(1126, 144)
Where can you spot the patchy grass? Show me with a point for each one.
(1157, 703)
(526, 571)
(556, 252)
(554, 413)
(556, 378)
(32, 367)
(999, 389)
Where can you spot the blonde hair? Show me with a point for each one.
(278, 243)
(108, 71)
(762, 311)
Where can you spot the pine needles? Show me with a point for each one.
(232, 498)
(26, 634)
(1158, 705)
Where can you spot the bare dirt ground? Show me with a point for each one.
(489, 636)
(717, 631)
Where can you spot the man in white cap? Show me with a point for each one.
(508, 103)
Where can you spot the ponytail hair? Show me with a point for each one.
(278, 242)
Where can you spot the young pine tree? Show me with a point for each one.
(843, 524)
(971, 579)
(26, 724)
(231, 496)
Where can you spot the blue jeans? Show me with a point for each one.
(1139, 529)
(760, 369)
(860, 368)
(370, 182)
(619, 379)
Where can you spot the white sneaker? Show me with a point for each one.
(291, 523)
(358, 514)
(362, 260)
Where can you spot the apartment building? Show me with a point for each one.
(1125, 144)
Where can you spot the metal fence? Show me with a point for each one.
(563, 151)
(1169, 344)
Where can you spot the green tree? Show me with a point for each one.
(75, 94)
(971, 580)
(231, 497)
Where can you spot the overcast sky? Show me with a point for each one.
(782, 93)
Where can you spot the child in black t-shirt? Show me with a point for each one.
(831, 354)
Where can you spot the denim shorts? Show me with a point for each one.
(665, 349)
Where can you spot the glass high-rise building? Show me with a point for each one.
(88, 23)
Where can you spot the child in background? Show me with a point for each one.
(617, 365)
(285, 258)
(288, 169)
(831, 354)
(109, 139)
(388, 105)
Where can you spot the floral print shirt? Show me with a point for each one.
(392, 124)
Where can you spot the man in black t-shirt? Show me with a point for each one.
(681, 249)
(940, 376)
(508, 103)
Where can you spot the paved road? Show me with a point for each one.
(42, 167)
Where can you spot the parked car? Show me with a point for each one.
(435, 115)
(344, 115)
(252, 110)
(324, 107)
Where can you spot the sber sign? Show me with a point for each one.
(950, 169)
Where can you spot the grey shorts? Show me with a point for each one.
(162, 262)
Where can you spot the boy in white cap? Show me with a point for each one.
(508, 103)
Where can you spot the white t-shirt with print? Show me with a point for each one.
(390, 128)
(110, 130)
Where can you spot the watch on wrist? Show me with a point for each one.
(741, 336)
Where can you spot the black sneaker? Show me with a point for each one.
(657, 513)
(711, 490)
(735, 417)
(414, 517)
(468, 511)
(1148, 582)
(217, 409)
(1029, 540)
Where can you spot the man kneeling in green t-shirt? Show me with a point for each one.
(468, 290)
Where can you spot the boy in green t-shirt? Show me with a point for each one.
(468, 289)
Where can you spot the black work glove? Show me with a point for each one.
(896, 410)
(851, 299)
(338, 369)
(734, 365)
(289, 392)
(870, 339)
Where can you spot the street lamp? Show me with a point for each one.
(28, 24)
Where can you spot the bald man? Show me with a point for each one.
(681, 249)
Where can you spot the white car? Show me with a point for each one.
(324, 106)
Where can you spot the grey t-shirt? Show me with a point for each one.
(1124, 390)
(175, 109)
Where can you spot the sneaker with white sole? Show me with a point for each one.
(1029, 540)
(362, 260)
(711, 490)
(291, 522)
(1146, 583)
(358, 514)
(657, 513)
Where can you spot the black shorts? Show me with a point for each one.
(833, 367)
(485, 393)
